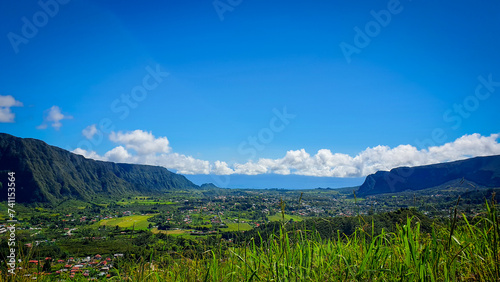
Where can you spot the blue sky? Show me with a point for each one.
(418, 83)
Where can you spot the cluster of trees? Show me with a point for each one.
(331, 227)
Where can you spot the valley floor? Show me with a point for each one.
(235, 235)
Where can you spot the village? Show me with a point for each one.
(92, 267)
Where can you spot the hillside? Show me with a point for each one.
(46, 173)
(481, 171)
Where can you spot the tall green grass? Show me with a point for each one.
(467, 250)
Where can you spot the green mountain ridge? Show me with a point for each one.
(50, 174)
(478, 171)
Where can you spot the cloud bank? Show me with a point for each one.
(142, 147)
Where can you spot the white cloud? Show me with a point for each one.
(221, 168)
(7, 102)
(183, 164)
(88, 155)
(54, 116)
(143, 148)
(371, 160)
(89, 131)
(250, 168)
(119, 155)
(144, 143)
(466, 146)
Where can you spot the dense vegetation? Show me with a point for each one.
(403, 245)
(328, 228)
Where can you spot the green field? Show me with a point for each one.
(357, 200)
(136, 221)
(277, 217)
(143, 202)
(234, 227)
(169, 232)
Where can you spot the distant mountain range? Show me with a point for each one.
(479, 171)
(50, 174)
(46, 173)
